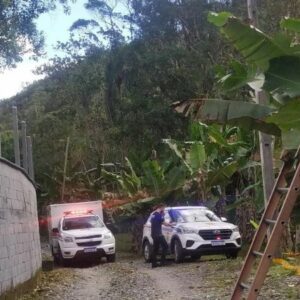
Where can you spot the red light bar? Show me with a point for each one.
(78, 212)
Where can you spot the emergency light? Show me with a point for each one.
(78, 212)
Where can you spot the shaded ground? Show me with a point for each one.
(130, 278)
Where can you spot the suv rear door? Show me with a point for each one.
(167, 230)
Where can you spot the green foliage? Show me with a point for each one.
(219, 19)
(247, 115)
(154, 177)
(282, 79)
(254, 45)
(291, 24)
(128, 181)
(237, 77)
(254, 224)
(174, 148)
(213, 162)
(222, 175)
(111, 95)
(18, 30)
(7, 150)
(288, 119)
(196, 156)
(278, 58)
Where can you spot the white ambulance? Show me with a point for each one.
(77, 230)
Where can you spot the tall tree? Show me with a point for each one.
(18, 31)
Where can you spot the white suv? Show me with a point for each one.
(197, 231)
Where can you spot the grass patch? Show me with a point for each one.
(279, 271)
(124, 242)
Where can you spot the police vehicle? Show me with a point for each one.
(195, 231)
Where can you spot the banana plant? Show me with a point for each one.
(271, 64)
(127, 180)
(208, 165)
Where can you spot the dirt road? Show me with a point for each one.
(130, 278)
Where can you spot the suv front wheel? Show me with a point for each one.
(178, 252)
(147, 251)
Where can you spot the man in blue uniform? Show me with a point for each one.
(157, 220)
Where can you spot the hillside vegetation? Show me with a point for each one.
(111, 96)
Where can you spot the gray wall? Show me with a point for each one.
(20, 251)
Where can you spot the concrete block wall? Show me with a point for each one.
(20, 251)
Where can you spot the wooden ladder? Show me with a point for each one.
(274, 219)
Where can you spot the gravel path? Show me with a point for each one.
(130, 278)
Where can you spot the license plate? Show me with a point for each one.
(218, 243)
(89, 250)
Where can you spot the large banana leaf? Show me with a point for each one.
(245, 114)
(128, 181)
(196, 156)
(112, 177)
(217, 137)
(288, 119)
(291, 24)
(291, 138)
(174, 148)
(175, 178)
(240, 75)
(221, 175)
(282, 79)
(132, 176)
(257, 47)
(153, 176)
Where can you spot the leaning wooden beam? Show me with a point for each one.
(16, 135)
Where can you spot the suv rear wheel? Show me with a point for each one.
(178, 252)
(147, 251)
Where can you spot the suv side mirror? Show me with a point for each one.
(55, 230)
(223, 219)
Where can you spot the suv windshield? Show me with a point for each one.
(82, 223)
(193, 215)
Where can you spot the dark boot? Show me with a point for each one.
(154, 261)
(154, 264)
(163, 260)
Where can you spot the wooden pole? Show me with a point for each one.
(16, 135)
(0, 146)
(265, 140)
(252, 9)
(65, 169)
(30, 159)
(24, 146)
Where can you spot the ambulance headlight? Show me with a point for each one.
(68, 239)
(108, 235)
